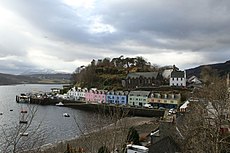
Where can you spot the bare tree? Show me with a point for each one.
(205, 126)
(23, 136)
(108, 131)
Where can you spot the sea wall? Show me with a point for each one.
(101, 108)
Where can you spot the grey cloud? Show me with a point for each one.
(54, 18)
(15, 67)
(183, 21)
(142, 27)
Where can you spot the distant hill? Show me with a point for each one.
(8, 79)
(52, 78)
(221, 68)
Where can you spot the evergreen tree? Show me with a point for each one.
(133, 136)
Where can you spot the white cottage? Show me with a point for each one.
(178, 78)
(71, 94)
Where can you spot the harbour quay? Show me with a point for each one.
(94, 107)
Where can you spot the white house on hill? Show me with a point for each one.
(178, 78)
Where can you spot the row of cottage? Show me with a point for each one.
(131, 98)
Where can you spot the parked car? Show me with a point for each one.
(172, 111)
(148, 106)
(161, 108)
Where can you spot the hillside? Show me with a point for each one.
(8, 79)
(108, 73)
(221, 69)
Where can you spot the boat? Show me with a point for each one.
(23, 117)
(23, 111)
(22, 98)
(66, 115)
(1, 113)
(23, 134)
(23, 122)
(60, 104)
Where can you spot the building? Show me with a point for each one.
(142, 79)
(94, 95)
(80, 94)
(194, 82)
(117, 97)
(183, 108)
(138, 98)
(55, 90)
(72, 94)
(165, 100)
(136, 149)
(178, 78)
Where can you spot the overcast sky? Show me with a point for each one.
(64, 34)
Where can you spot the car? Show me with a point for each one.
(148, 106)
(172, 111)
(161, 108)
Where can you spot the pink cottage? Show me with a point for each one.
(94, 95)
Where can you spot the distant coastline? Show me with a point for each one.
(9, 79)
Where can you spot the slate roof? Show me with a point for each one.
(122, 93)
(139, 93)
(165, 145)
(177, 74)
(143, 74)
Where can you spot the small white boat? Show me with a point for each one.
(66, 115)
(60, 104)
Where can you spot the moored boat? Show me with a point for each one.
(66, 115)
(22, 98)
(23, 134)
(60, 104)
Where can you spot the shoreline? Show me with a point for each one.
(96, 138)
(107, 108)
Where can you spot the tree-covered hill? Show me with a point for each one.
(108, 73)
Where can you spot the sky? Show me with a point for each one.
(62, 35)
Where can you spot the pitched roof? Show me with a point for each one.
(177, 74)
(167, 144)
(143, 74)
(122, 93)
(139, 93)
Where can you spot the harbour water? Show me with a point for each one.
(55, 127)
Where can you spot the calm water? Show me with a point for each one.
(53, 124)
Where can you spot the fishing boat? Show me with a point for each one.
(22, 98)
